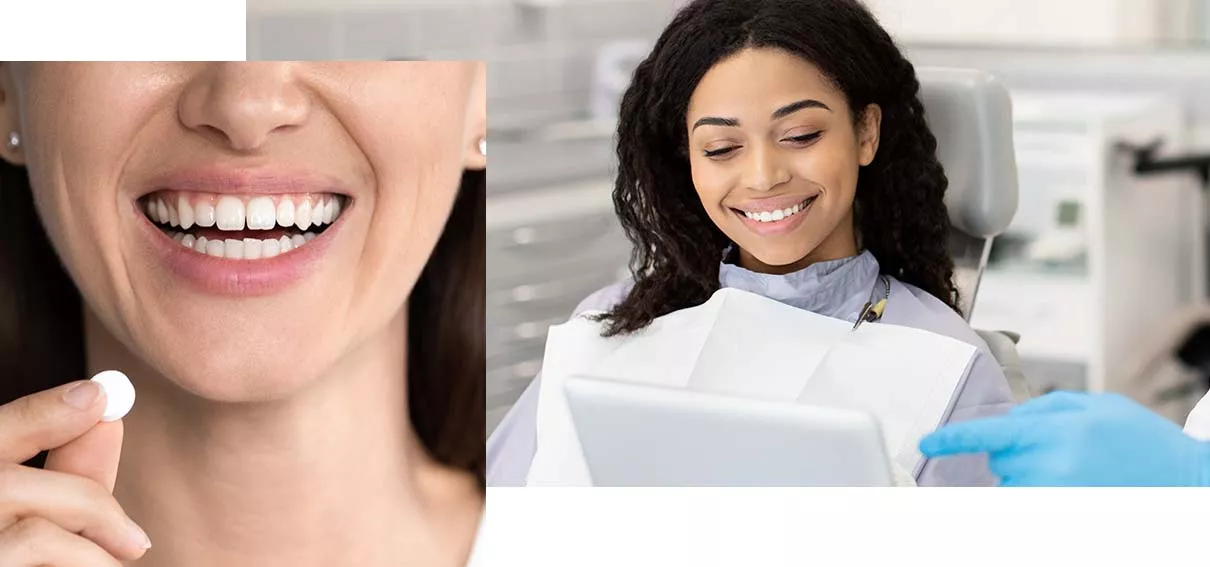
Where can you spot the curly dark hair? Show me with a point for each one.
(899, 211)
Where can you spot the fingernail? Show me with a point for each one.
(138, 536)
(82, 395)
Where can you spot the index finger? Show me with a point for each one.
(48, 419)
(987, 435)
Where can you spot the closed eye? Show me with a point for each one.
(805, 138)
(719, 152)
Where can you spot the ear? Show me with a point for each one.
(476, 123)
(869, 128)
(9, 122)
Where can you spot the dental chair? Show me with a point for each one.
(970, 114)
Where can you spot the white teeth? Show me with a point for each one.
(215, 248)
(161, 211)
(285, 213)
(317, 212)
(246, 249)
(774, 216)
(229, 214)
(186, 212)
(330, 211)
(232, 213)
(233, 249)
(252, 248)
(302, 215)
(270, 248)
(262, 215)
(204, 214)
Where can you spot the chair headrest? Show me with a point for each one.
(970, 113)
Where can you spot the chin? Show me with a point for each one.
(243, 374)
(780, 256)
(780, 259)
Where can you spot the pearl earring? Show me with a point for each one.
(14, 141)
(483, 146)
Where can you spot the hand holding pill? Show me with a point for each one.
(64, 513)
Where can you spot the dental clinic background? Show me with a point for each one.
(1097, 273)
(1100, 268)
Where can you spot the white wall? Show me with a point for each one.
(262, 6)
(1036, 22)
(265, 6)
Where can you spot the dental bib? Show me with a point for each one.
(742, 344)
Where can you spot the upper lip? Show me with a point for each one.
(770, 203)
(245, 180)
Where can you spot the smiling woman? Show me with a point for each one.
(287, 259)
(779, 147)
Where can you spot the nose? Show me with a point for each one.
(243, 105)
(764, 168)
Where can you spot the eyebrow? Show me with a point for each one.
(779, 113)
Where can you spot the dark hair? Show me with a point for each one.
(899, 209)
(42, 337)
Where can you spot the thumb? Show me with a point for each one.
(93, 455)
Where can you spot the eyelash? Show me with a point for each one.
(803, 139)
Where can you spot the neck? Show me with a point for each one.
(841, 243)
(333, 475)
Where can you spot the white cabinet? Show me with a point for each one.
(1098, 259)
(548, 249)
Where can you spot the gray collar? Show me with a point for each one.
(836, 288)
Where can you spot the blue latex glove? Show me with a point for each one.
(1075, 439)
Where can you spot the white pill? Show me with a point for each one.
(119, 394)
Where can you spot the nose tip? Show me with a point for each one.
(255, 120)
(244, 105)
(764, 171)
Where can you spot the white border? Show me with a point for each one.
(123, 30)
(668, 527)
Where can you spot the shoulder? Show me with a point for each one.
(986, 390)
(911, 306)
(605, 298)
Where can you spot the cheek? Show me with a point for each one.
(712, 183)
(75, 172)
(417, 178)
(412, 213)
(833, 168)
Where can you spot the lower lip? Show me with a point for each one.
(222, 276)
(775, 228)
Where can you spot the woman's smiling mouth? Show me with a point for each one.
(774, 215)
(242, 227)
(242, 231)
